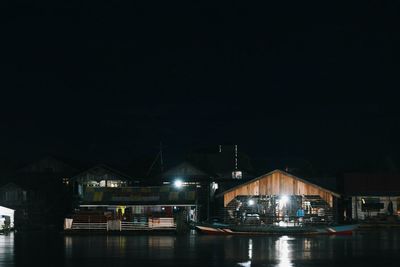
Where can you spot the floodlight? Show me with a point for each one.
(284, 199)
(178, 183)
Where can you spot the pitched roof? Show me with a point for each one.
(100, 170)
(285, 173)
(48, 163)
(185, 169)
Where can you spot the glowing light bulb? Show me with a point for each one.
(284, 199)
(178, 183)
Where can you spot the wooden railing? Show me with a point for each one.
(89, 226)
(162, 223)
(132, 226)
(117, 225)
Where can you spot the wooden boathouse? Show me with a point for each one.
(278, 196)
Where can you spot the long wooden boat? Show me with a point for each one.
(243, 230)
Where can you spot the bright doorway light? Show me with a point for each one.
(284, 199)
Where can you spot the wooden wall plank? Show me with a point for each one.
(277, 183)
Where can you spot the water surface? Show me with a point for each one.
(378, 248)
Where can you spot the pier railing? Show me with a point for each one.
(89, 226)
(156, 223)
(118, 225)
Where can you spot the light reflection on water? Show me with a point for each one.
(250, 255)
(7, 250)
(282, 255)
(284, 251)
(44, 249)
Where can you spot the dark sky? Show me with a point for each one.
(110, 79)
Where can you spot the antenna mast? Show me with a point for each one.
(159, 154)
(236, 158)
(236, 174)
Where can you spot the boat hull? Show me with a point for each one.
(214, 230)
(332, 230)
(342, 229)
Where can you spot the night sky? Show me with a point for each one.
(110, 79)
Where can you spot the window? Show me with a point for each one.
(111, 183)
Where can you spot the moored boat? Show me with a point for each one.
(272, 230)
(342, 229)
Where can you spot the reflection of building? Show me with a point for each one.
(277, 196)
(369, 196)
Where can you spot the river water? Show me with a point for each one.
(377, 248)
